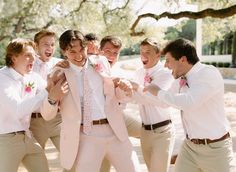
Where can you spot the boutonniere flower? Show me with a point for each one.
(29, 87)
(183, 82)
(147, 79)
(97, 67)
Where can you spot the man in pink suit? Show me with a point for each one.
(107, 137)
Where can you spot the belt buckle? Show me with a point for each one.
(151, 127)
(99, 121)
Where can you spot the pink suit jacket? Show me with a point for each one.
(71, 115)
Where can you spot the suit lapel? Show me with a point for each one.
(71, 79)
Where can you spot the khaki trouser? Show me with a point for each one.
(157, 147)
(214, 157)
(133, 124)
(17, 148)
(43, 130)
(102, 142)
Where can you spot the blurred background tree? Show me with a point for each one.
(186, 29)
(23, 18)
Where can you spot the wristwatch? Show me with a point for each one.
(52, 102)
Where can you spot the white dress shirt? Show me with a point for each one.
(96, 85)
(16, 103)
(202, 102)
(44, 68)
(161, 77)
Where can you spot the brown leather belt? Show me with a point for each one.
(208, 141)
(36, 115)
(100, 122)
(157, 125)
(17, 132)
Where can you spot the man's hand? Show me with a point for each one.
(54, 78)
(153, 89)
(116, 81)
(135, 86)
(63, 64)
(126, 86)
(58, 90)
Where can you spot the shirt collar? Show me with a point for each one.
(15, 74)
(79, 68)
(40, 62)
(154, 68)
(194, 69)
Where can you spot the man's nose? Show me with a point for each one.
(165, 65)
(143, 57)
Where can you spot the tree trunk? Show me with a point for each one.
(234, 51)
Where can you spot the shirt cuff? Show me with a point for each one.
(140, 89)
(43, 94)
(161, 94)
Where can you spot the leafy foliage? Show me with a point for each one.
(186, 29)
(23, 18)
(26, 17)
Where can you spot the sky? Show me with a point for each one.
(146, 6)
(158, 7)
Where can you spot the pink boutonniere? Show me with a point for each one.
(147, 79)
(183, 82)
(29, 87)
(97, 67)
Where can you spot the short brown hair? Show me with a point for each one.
(115, 41)
(182, 47)
(152, 41)
(71, 35)
(91, 37)
(42, 34)
(16, 47)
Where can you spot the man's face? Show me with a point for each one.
(177, 66)
(110, 52)
(23, 63)
(93, 47)
(76, 54)
(46, 48)
(149, 56)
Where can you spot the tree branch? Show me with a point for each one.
(77, 9)
(4, 37)
(52, 20)
(110, 11)
(221, 13)
(19, 24)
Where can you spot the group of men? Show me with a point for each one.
(78, 103)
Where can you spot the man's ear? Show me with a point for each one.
(183, 59)
(14, 59)
(101, 51)
(158, 55)
(37, 48)
(63, 52)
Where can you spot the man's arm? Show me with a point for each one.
(146, 95)
(200, 91)
(57, 89)
(123, 90)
